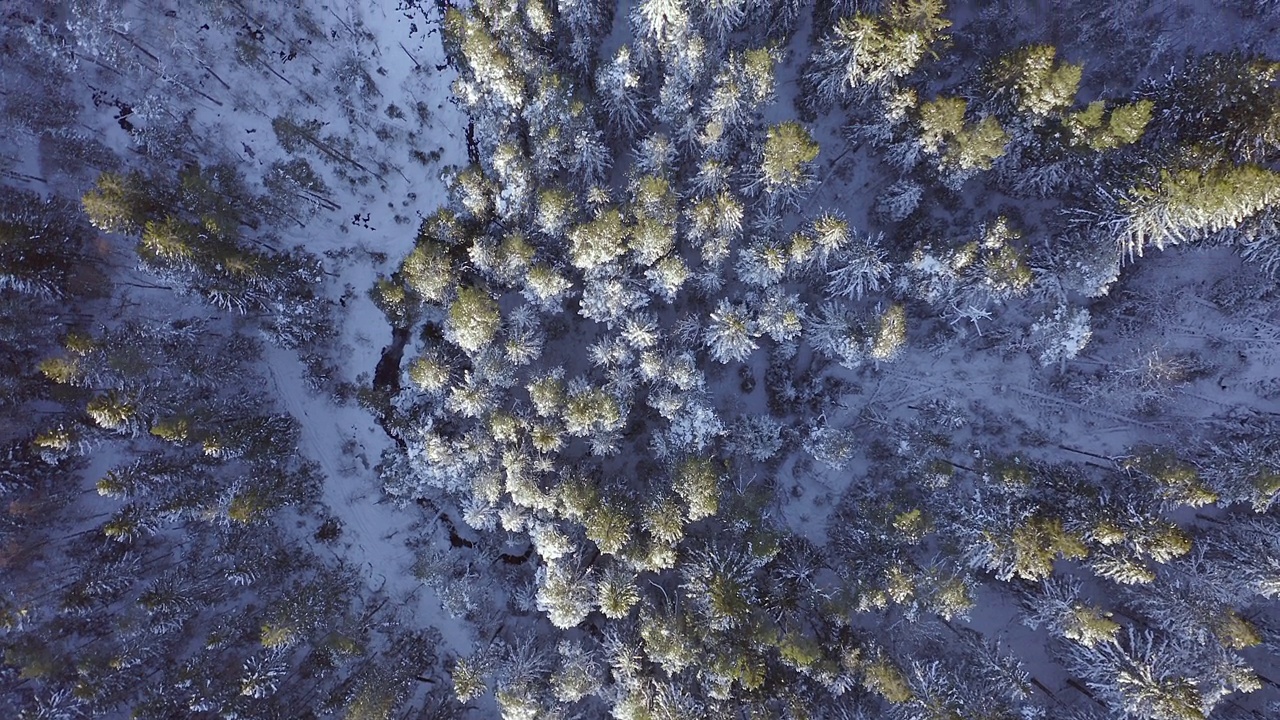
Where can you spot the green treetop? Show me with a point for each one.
(1041, 85)
(473, 319)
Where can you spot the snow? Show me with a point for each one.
(346, 441)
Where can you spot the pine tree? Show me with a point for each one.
(1029, 550)
(729, 335)
(590, 411)
(428, 272)
(940, 120)
(890, 334)
(1141, 677)
(1039, 85)
(667, 640)
(617, 593)
(780, 315)
(667, 276)
(1060, 336)
(565, 595)
(785, 164)
(697, 482)
(1124, 125)
(119, 203)
(976, 147)
(545, 287)
(618, 87)
(580, 673)
(494, 78)
(861, 268)
(1058, 605)
(609, 526)
(1186, 205)
(899, 200)
(868, 52)
(654, 209)
(473, 319)
(600, 241)
(1226, 105)
(665, 521)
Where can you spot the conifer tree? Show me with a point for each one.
(1039, 85)
(565, 595)
(1224, 104)
(1143, 678)
(1186, 205)
(619, 89)
(697, 482)
(473, 319)
(119, 203)
(730, 333)
(866, 53)
(785, 172)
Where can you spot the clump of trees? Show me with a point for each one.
(651, 208)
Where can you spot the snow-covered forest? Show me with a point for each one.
(648, 360)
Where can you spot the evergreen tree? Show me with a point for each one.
(976, 147)
(565, 595)
(473, 319)
(866, 53)
(1039, 85)
(697, 482)
(1058, 605)
(862, 268)
(586, 23)
(39, 243)
(1226, 105)
(730, 333)
(619, 89)
(1186, 205)
(1143, 678)
(119, 203)
(785, 164)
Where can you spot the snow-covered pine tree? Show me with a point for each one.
(1033, 81)
(859, 268)
(731, 332)
(866, 53)
(618, 87)
(1143, 677)
(565, 594)
(899, 200)
(586, 22)
(473, 320)
(779, 314)
(1189, 204)
(785, 172)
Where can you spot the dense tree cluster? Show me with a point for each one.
(601, 262)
